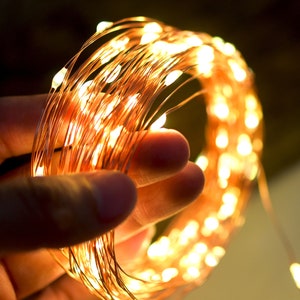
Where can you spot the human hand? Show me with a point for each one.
(57, 211)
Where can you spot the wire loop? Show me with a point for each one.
(96, 107)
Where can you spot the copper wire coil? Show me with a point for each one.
(103, 105)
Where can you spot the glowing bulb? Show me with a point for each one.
(159, 249)
(238, 72)
(103, 25)
(191, 274)
(205, 57)
(59, 78)
(84, 94)
(295, 271)
(153, 27)
(211, 223)
(40, 171)
(251, 120)
(228, 49)
(114, 135)
(112, 75)
(132, 101)
(211, 260)
(151, 33)
(194, 41)
(172, 77)
(251, 102)
(202, 162)
(168, 274)
(149, 37)
(191, 229)
(222, 138)
(159, 123)
(244, 146)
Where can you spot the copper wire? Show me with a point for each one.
(102, 105)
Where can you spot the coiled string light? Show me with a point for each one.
(104, 105)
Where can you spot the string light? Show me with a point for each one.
(99, 104)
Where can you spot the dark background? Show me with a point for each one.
(38, 38)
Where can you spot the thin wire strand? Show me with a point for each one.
(268, 206)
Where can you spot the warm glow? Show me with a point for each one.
(251, 120)
(40, 171)
(172, 77)
(159, 249)
(211, 223)
(205, 57)
(220, 108)
(59, 78)
(244, 146)
(295, 271)
(103, 25)
(159, 123)
(168, 274)
(151, 33)
(222, 138)
(112, 76)
(108, 98)
(238, 72)
(202, 162)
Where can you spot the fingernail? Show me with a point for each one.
(115, 195)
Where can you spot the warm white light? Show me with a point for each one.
(220, 107)
(132, 101)
(202, 162)
(239, 73)
(191, 229)
(114, 135)
(112, 76)
(151, 33)
(251, 120)
(244, 146)
(159, 123)
(96, 154)
(103, 25)
(168, 274)
(149, 37)
(194, 41)
(40, 171)
(251, 102)
(211, 260)
(211, 223)
(164, 48)
(205, 57)
(191, 274)
(152, 27)
(222, 138)
(138, 59)
(59, 78)
(172, 77)
(84, 94)
(295, 271)
(229, 49)
(200, 248)
(159, 249)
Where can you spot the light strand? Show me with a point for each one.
(101, 109)
(294, 266)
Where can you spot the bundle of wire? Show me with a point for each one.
(105, 103)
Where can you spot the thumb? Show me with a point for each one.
(57, 211)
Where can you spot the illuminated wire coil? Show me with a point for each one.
(98, 107)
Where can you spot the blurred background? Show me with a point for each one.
(39, 37)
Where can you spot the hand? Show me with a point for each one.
(57, 211)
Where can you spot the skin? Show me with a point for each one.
(57, 211)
